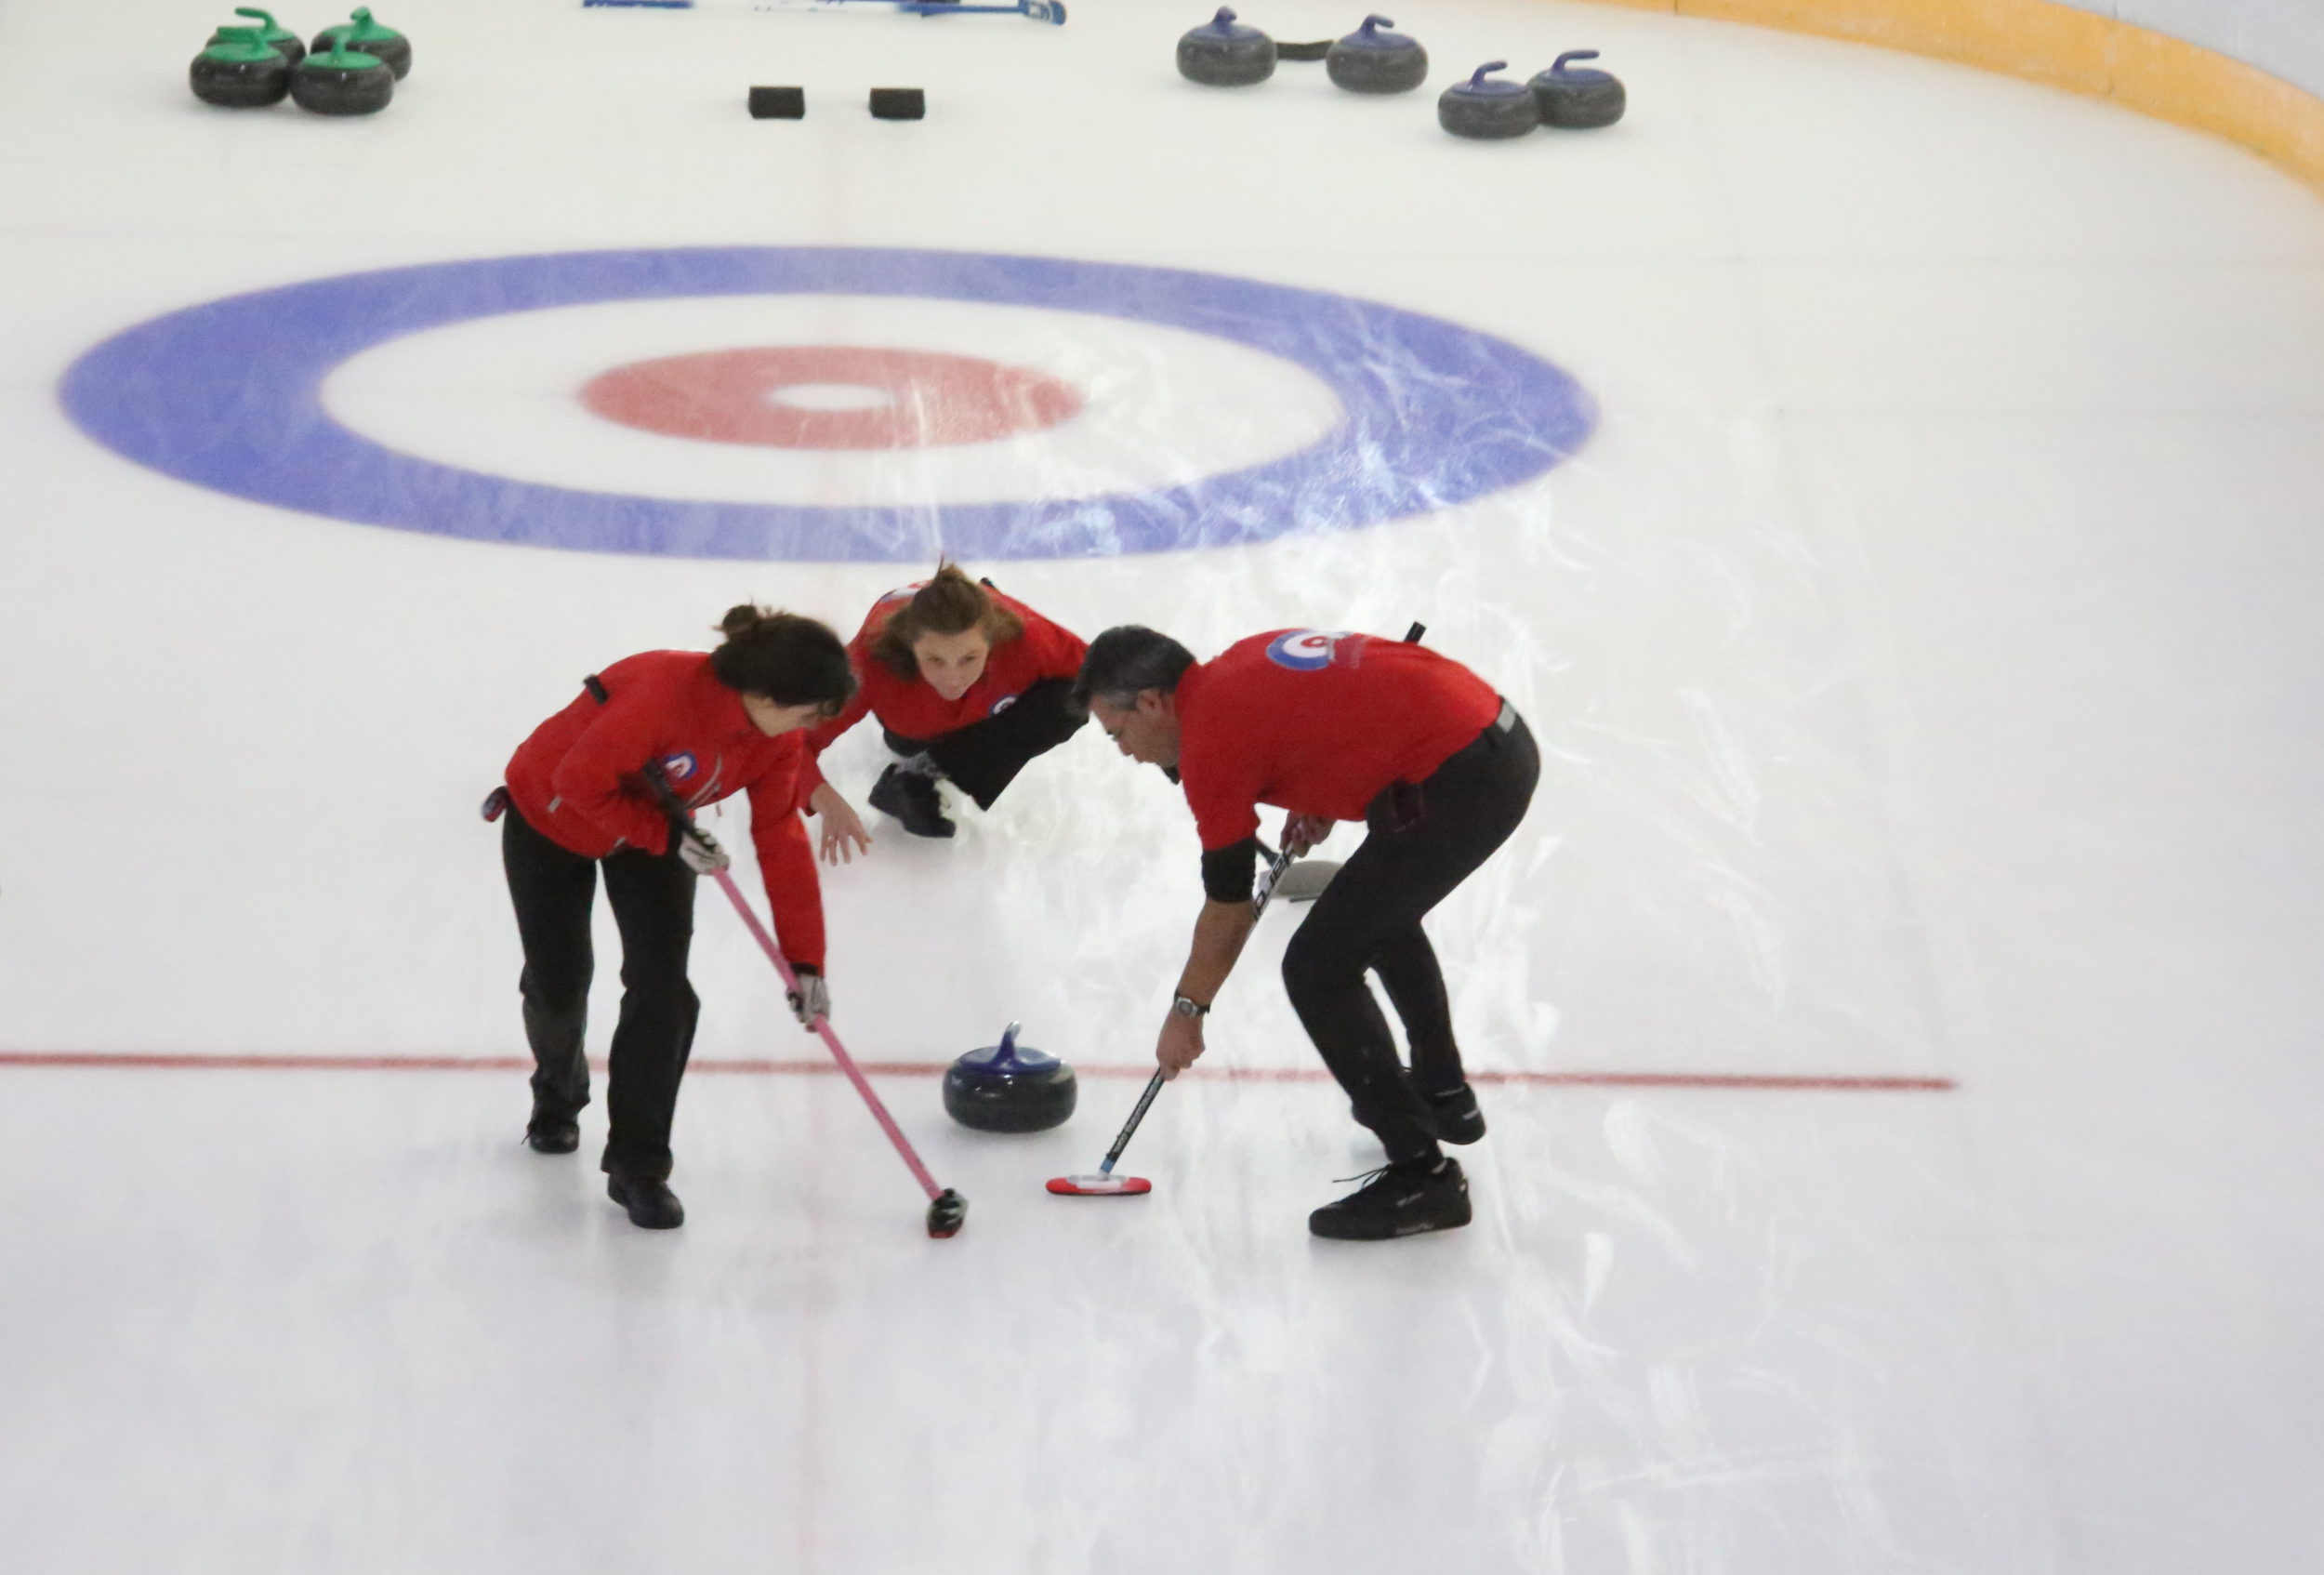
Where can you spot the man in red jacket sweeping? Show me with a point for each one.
(582, 798)
(1333, 727)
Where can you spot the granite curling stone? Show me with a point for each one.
(1221, 53)
(1578, 100)
(360, 32)
(1373, 60)
(240, 71)
(1486, 110)
(342, 81)
(271, 31)
(1006, 1088)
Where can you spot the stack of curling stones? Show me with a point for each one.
(1559, 97)
(352, 68)
(1225, 52)
(1008, 1088)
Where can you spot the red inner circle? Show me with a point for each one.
(730, 396)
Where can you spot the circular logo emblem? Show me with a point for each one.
(1416, 414)
(679, 767)
(1304, 650)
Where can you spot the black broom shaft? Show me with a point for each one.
(1153, 1084)
(1145, 1100)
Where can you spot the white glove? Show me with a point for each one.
(812, 999)
(699, 851)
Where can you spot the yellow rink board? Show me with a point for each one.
(2063, 47)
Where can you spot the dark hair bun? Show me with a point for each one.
(790, 659)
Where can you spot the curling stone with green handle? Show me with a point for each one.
(1578, 100)
(1487, 110)
(241, 71)
(342, 81)
(272, 32)
(364, 33)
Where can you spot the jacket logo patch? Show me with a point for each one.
(1304, 650)
(1001, 705)
(679, 767)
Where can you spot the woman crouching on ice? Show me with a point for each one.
(583, 793)
(968, 685)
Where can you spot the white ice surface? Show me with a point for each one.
(1924, 657)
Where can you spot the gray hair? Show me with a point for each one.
(1126, 661)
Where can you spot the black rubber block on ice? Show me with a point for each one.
(778, 103)
(898, 103)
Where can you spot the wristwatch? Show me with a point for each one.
(1187, 1006)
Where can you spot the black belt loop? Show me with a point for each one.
(598, 692)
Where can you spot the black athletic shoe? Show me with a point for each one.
(1398, 1200)
(1453, 1116)
(911, 798)
(551, 1131)
(651, 1205)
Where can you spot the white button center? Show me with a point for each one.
(830, 396)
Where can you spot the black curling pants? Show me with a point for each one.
(654, 904)
(984, 757)
(1422, 842)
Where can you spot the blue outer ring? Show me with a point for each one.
(227, 395)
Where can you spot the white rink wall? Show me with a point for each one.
(2284, 37)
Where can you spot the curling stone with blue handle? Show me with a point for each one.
(1578, 99)
(1220, 53)
(1371, 60)
(1487, 110)
(1008, 1088)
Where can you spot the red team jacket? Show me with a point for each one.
(911, 706)
(576, 779)
(1317, 724)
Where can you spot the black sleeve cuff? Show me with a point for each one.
(1227, 872)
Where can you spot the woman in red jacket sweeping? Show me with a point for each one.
(583, 795)
(966, 684)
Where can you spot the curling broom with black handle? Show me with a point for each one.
(1103, 1181)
